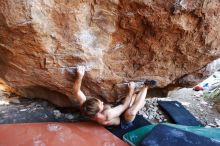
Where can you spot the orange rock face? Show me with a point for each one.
(42, 42)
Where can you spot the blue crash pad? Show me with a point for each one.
(179, 114)
(135, 137)
(163, 135)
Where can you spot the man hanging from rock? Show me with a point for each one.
(104, 114)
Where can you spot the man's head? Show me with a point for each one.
(91, 107)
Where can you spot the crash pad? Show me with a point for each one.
(136, 136)
(123, 128)
(179, 114)
(163, 135)
(57, 134)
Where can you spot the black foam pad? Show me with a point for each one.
(178, 113)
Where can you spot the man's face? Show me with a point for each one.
(101, 105)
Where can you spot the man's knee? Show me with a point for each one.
(143, 104)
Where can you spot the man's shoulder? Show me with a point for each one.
(106, 113)
(107, 106)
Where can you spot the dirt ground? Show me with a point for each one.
(202, 107)
(14, 109)
(18, 110)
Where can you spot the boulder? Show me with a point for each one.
(42, 42)
(199, 75)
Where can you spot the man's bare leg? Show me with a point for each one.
(139, 102)
(78, 94)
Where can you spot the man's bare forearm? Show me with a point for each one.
(128, 98)
(77, 84)
(118, 110)
(78, 94)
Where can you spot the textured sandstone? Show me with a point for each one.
(42, 41)
(199, 75)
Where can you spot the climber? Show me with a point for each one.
(104, 114)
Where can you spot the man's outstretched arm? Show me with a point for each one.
(77, 93)
(118, 110)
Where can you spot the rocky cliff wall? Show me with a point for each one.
(42, 41)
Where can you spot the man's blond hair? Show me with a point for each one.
(90, 107)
